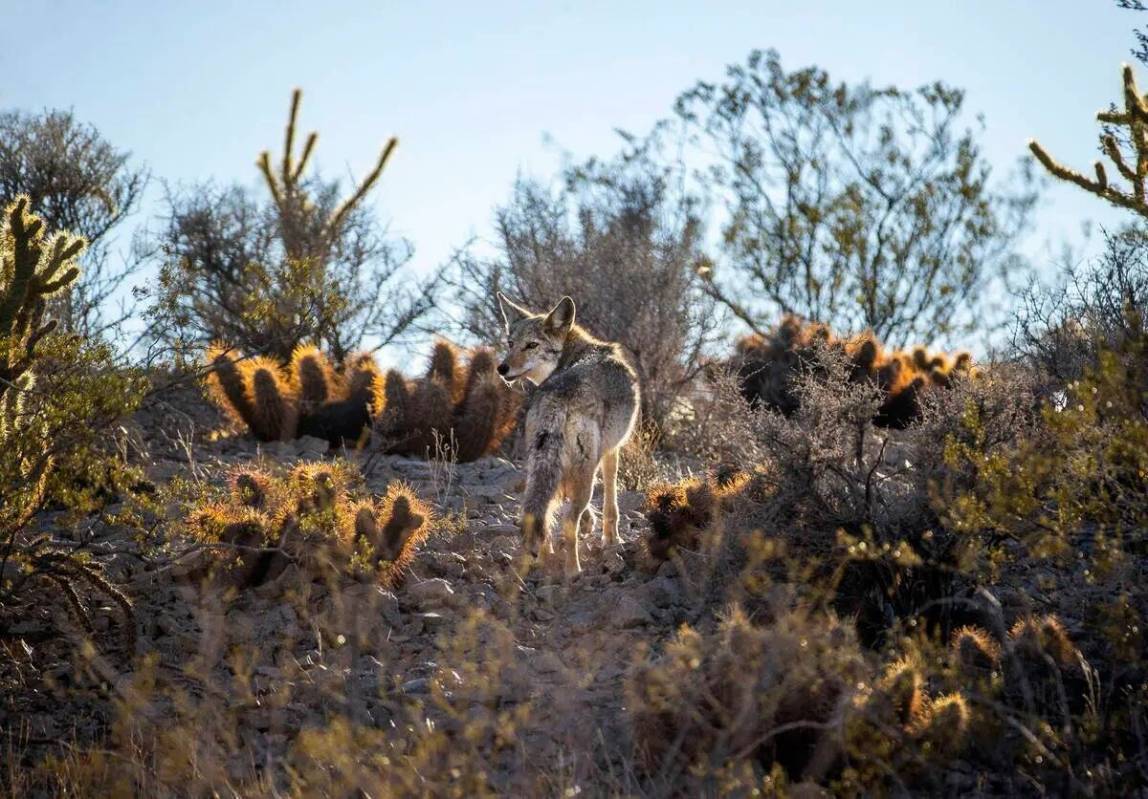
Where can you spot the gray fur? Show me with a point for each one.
(583, 411)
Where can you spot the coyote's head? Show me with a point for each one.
(533, 340)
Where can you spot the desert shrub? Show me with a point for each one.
(1062, 330)
(620, 241)
(716, 426)
(314, 518)
(60, 395)
(1067, 492)
(302, 265)
(745, 695)
(461, 402)
(856, 206)
(846, 508)
(76, 181)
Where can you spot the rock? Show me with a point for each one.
(548, 663)
(612, 561)
(548, 594)
(445, 564)
(311, 447)
(500, 529)
(807, 790)
(415, 687)
(388, 605)
(277, 450)
(629, 613)
(433, 594)
(630, 501)
(663, 592)
(503, 549)
(429, 622)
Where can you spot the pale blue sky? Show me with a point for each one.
(196, 90)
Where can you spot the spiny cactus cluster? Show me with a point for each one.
(467, 402)
(34, 267)
(461, 405)
(681, 513)
(1036, 669)
(308, 397)
(767, 367)
(314, 517)
(900, 708)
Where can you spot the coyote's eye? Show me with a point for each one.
(531, 345)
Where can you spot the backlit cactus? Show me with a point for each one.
(34, 267)
(767, 368)
(315, 517)
(459, 405)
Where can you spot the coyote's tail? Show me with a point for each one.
(543, 475)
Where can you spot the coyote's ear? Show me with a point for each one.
(559, 321)
(511, 313)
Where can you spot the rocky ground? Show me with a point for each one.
(471, 634)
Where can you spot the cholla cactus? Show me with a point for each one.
(315, 380)
(1036, 637)
(1134, 117)
(33, 268)
(946, 724)
(290, 195)
(903, 686)
(274, 410)
(250, 488)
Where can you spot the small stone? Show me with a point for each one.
(415, 687)
(311, 447)
(629, 613)
(663, 592)
(548, 594)
(389, 608)
(500, 529)
(445, 564)
(612, 561)
(429, 622)
(432, 594)
(629, 501)
(548, 663)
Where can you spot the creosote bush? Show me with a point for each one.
(858, 206)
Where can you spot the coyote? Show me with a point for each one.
(582, 412)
